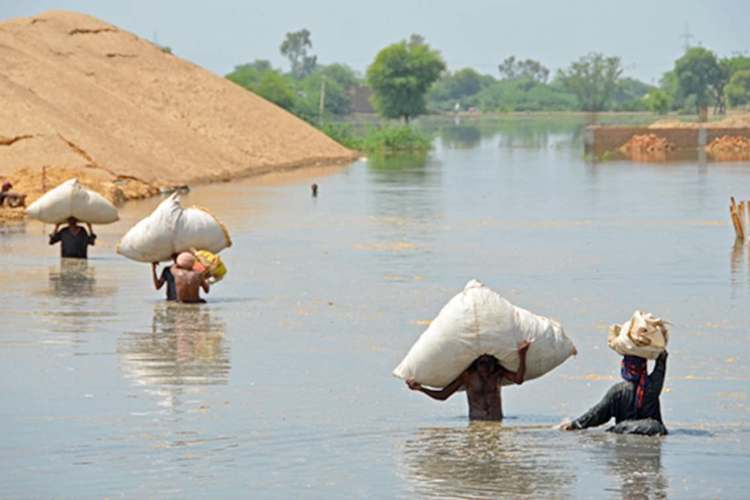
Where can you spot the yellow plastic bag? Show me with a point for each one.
(212, 262)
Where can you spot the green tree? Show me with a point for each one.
(294, 47)
(277, 89)
(738, 88)
(249, 75)
(737, 63)
(700, 76)
(512, 69)
(459, 86)
(657, 101)
(593, 80)
(401, 75)
(669, 85)
(629, 94)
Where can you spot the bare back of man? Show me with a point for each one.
(483, 389)
(481, 380)
(188, 284)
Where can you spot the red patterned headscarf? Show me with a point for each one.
(634, 370)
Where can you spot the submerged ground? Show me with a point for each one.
(280, 386)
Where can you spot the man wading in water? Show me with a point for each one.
(74, 240)
(482, 382)
(633, 403)
(188, 282)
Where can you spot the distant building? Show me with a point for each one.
(360, 95)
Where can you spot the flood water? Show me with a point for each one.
(280, 386)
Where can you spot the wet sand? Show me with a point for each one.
(280, 386)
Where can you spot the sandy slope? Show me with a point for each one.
(82, 95)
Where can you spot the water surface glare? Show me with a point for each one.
(280, 386)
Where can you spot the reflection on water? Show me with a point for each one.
(487, 460)
(185, 347)
(634, 463)
(739, 263)
(460, 136)
(73, 278)
(395, 169)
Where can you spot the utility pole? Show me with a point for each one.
(322, 105)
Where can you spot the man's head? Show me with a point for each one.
(486, 364)
(72, 221)
(186, 261)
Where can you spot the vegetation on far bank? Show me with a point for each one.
(379, 139)
(409, 78)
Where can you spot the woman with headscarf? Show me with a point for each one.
(634, 403)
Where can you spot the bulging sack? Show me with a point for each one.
(171, 229)
(213, 263)
(71, 199)
(479, 321)
(643, 335)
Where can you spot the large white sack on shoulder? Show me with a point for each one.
(643, 335)
(197, 228)
(71, 199)
(151, 239)
(479, 321)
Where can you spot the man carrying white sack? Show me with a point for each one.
(74, 240)
(482, 380)
(478, 342)
(634, 403)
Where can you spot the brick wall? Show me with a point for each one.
(599, 139)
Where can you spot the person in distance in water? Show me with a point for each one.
(74, 240)
(482, 381)
(634, 403)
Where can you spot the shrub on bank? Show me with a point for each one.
(383, 139)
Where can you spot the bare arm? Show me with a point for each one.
(158, 282)
(54, 236)
(442, 394)
(656, 379)
(92, 236)
(204, 285)
(518, 376)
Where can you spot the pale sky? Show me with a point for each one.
(220, 34)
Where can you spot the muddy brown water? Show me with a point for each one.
(280, 386)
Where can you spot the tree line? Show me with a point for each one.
(409, 78)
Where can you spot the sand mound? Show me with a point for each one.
(648, 143)
(729, 147)
(89, 100)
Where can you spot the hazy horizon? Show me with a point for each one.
(474, 33)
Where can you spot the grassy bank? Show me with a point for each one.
(378, 139)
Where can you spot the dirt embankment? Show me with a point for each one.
(735, 121)
(83, 98)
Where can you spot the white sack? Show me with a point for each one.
(71, 199)
(172, 229)
(478, 321)
(643, 335)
